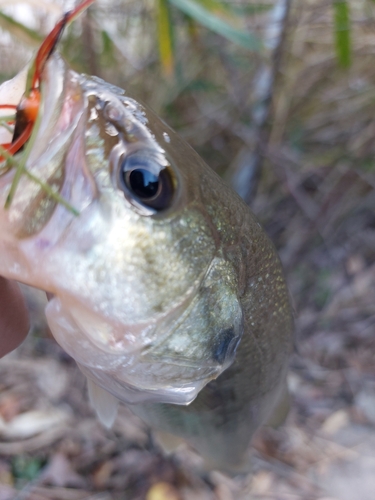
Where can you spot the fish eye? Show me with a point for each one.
(147, 181)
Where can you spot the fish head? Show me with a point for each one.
(143, 298)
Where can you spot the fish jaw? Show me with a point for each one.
(179, 356)
(54, 136)
(122, 278)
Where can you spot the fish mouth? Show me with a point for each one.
(61, 107)
(48, 183)
(12, 91)
(178, 357)
(128, 376)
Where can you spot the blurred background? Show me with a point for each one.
(278, 98)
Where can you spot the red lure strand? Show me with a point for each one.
(52, 39)
(8, 106)
(46, 50)
(27, 109)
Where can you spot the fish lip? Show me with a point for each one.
(58, 84)
(131, 394)
(104, 374)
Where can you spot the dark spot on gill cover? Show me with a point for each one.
(225, 346)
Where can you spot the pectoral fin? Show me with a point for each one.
(104, 404)
(281, 410)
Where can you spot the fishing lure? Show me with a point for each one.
(26, 112)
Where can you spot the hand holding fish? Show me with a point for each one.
(14, 322)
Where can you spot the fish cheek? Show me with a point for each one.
(208, 332)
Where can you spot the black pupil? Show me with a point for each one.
(143, 183)
(147, 181)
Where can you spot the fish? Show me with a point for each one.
(163, 285)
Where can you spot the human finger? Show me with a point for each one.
(14, 318)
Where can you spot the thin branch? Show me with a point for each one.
(246, 179)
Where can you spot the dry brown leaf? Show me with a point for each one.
(31, 423)
(102, 474)
(163, 491)
(7, 492)
(335, 422)
(9, 406)
(59, 472)
(189, 494)
(6, 477)
(33, 444)
(57, 493)
(52, 379)
(365, 403)
(130, 426)
(261, 483)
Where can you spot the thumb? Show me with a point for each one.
(14, 319)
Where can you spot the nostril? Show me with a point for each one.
(225, 346)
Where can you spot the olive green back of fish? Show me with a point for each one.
(221, 421)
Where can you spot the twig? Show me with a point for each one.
(246, 179)
(35, 443)
(88, 41)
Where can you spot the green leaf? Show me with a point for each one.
(165, 38)
(249, 9)
(216, 7)
(108, 49)
(202, 85)
(26, 468)
(20, 31)
(342, 32)
(211, 20)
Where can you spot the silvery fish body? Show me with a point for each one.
(166, 290)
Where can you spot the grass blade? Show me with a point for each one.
(19, 31)
(216, 23)
(19, 169)
(342, 32)
(107, 56)
(53, 194)
(219, 8)
(249, 9)
(165, 38)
